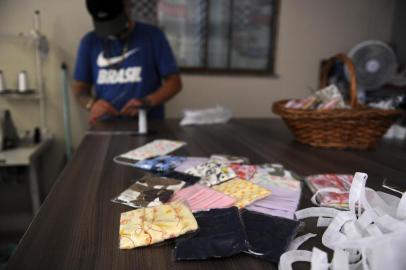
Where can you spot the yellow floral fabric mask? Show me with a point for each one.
(243, 191)
(147, 226)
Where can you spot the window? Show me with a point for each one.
(216, 36)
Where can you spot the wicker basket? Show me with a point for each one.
(357, 128)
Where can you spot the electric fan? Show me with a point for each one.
(375, 63)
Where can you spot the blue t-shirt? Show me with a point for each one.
(126, 69)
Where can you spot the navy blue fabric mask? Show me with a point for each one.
(221, 234)
(268, 235)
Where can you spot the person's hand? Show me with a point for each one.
(99, 109)
(131, 107)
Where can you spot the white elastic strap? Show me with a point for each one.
(354, 255)
(390, 199)
(351, 230)
(290, 257)
(340, 260)
(365, 265)
(372, 230)
(401, 211)
(316, 212)
(323, 221)
(390, 224)
(319, 260)
(333, 233)
(364, 220)
(298, 241)
(356, 190)
(115, 159)
(255, 253)
(314, 200)
(369, 240)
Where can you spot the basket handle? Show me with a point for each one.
(351, 70)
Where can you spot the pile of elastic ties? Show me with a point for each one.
(371, 235)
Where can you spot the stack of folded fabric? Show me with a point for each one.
(286, 191)
(222, 204)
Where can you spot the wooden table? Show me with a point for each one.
(77, 226)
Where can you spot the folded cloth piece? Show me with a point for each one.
(243, 171)
(190, 162)
(187, 178)
(221, 234)
(149, 191)
(147, 226)
(153, 149)
(212, 173)
(268, 236)
(331, 190)
(161, 163)
(214, 115)
(272, 212)
(199, 198)
(243, 191)
(266, 180)
(276, 170)
(227, 159)
(283, 202)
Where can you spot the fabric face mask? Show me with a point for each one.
(149, 191)
(228, 159)
(160, 164)
(153, 149)
(282, 203)
(221, 234)
(243, 171)
(268, 236)
(269, 181)
(190, 162)
(187, 178)
(276, 170)
(212, 173)
(147, 226)
(243, 191)
(200, 198)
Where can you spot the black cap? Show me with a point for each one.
(109, 17)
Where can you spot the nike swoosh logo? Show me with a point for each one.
(105, 62)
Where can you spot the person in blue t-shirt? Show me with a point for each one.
(130, 64)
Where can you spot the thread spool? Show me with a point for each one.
(142, 121)
(22, 81)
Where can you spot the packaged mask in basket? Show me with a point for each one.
(330, 98)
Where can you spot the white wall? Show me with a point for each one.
(309, 30)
